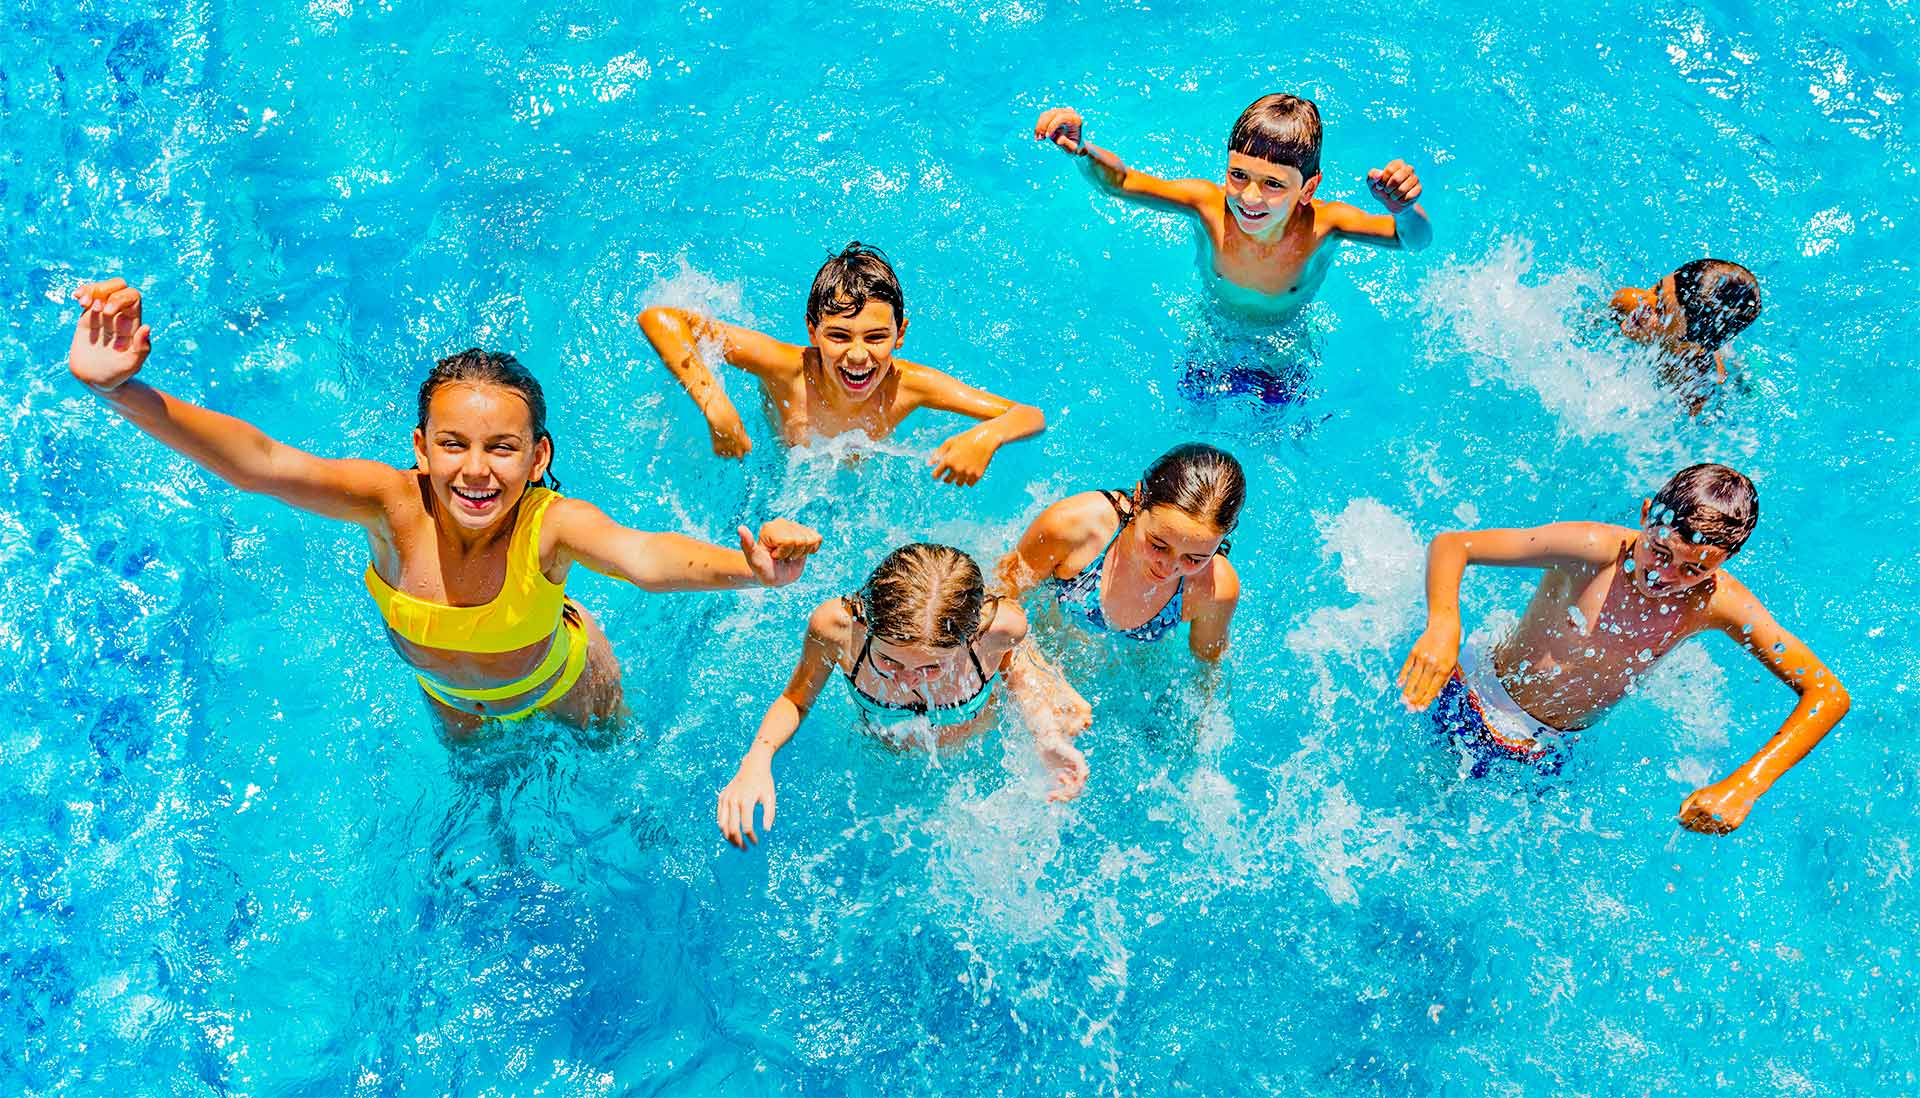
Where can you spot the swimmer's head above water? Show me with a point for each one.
(1273, 163)
(1185, 508)
(1692, 312)
(856, 320)
(1691, 528)
(921, 606)
(481, 438)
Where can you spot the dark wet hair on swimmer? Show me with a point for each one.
(1281, 129)
(1710, 504)
(850, 279)
(474, 366)
(1203, 481)
(1718, 298)
(923, 594)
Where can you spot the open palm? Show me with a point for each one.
(110, 344)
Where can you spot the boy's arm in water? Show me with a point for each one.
(111, 344)
(753, 782)
(963, 458)
(1723, 806)
(1437, 652)
(1207, 636)
(1063, 126)
(677, 336)
(581, 532)
(1404, 225)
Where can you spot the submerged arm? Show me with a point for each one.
(677, 336)
(963, 459)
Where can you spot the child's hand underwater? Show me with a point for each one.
(729, 433)
(1718, 808)
(963, 459)
(1429, 665)
(110, 344)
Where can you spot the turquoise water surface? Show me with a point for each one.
(237, 861)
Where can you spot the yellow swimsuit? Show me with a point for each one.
(529, 609)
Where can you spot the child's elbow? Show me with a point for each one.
(1838, 700)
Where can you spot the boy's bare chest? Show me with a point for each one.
(801, 412)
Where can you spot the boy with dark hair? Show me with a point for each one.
(1262, 232)
(1612, 602)
(844, 379)
(1690, 315)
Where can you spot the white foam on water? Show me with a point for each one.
(1381, 562)
(1534, 331)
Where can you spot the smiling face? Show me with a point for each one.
(1261, 194)
(1652, 316)
(1173, 543)
(856, 351)
(1664, 563)
(478, 451)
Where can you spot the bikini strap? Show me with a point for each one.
(1114, 497)
(986, 622)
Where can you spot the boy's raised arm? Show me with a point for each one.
(963, 458)
(1437, 652)
(676, 336)
(1723, 806)
(1404, 225)
(1063, 126)
(110, 345)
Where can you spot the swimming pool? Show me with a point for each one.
(238, 862)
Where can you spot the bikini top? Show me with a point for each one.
(940, 716)
(1080, 596)
(525, 612)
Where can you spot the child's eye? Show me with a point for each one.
(1236, 174)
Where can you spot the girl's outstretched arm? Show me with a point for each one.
(579, 531)
(752, 784)
(110, 345)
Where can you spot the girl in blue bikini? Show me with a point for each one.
(1138, 564)
(921, 648)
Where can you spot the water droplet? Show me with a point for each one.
(1779, 646)
(1627, 566)
(1579, 620)
(1589, 653)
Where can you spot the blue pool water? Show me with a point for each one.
(236, 861)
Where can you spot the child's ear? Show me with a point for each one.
(420, 449)
(542, 457)
(1307, 189)
(900, 336)
(1646, 508)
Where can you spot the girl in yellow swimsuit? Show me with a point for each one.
(471, 548)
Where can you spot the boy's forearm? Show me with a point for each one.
(672, 338)
(1103, 168)
(1413, 229)
(1020, 421)
(1446, 563)
(1818, 711)
(232, 449)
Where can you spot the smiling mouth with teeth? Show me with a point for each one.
(857, 378)
(475, 495)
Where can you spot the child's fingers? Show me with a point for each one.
(766, 822)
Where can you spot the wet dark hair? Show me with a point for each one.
(477, 367)
(1282, 129)
(923, 594)
(1708, 503)
(1200, 480)
(848, 280)
(1718, 298)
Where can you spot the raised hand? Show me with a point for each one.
(1430, 664)
(1060, 125)
(1718, 808)
(1397, 186)
(110, 344)
(780, 553)
(751, 785)
(729, 434)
